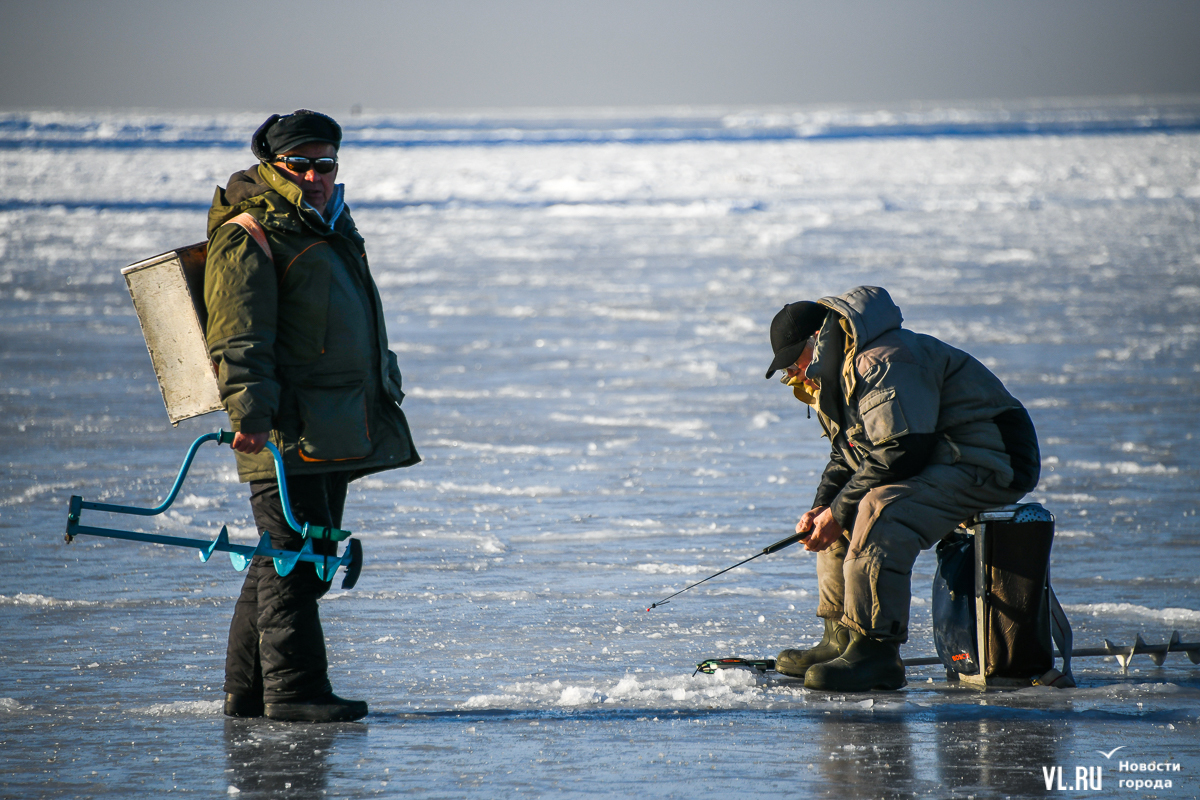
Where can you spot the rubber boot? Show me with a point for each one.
(240, 705)
(326, 708)
(796, 662)
(867, 664)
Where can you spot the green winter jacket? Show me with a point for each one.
(298, 337)
(893, 401)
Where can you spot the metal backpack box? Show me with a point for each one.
(168, 296)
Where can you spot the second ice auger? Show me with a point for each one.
(239, 554)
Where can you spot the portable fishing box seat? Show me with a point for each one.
(996, 620)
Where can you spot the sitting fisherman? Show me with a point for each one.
(923, 436)
(296, 330)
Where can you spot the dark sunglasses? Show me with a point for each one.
(301, 164)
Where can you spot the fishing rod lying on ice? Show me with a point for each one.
(239, 554)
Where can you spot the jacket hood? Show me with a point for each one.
(868, 310)
(860, 316)
(244, 185)
(280, 198)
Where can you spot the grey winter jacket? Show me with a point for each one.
(893, 401)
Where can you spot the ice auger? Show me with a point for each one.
(1123, 653)
(239, 554)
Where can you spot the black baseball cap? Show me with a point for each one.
(791, 329)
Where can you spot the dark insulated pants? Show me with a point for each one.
(276, 645)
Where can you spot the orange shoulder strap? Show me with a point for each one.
(251, 226)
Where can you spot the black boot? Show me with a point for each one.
(796, 662)
(326, 708)
(239, 705)
(867, 664)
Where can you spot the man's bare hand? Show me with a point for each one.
(826, 530)
(249, 443)
(806, 521)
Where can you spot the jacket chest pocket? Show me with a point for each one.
(304, 305)
(882, 416)
(333, 423)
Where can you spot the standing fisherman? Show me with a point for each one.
(922, 437)
(296, 330)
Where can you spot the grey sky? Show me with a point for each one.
(431, 54)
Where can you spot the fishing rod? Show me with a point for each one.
(782, 543)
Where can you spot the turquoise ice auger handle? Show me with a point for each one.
(239, 555)
(308, 531)
(220, 437)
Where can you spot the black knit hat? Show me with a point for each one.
(280, 134)
(791, 329)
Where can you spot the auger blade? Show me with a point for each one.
(241, 556)
(327, 566)
(1191, 649)
(1157, 657)
(222, 539)
(325, 569)
(286, 560)
(1122, 654)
